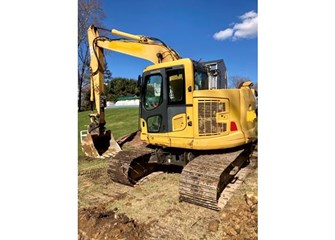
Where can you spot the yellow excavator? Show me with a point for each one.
(187, 117)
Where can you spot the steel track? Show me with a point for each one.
(201, 182)
(205, 177)
(128, 167)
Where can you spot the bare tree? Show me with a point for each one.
(236, 81)
(255, 86)
(89, 12)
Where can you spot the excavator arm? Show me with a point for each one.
(149, 48)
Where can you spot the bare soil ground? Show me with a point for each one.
(151, 209)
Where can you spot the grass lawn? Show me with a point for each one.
(120, 121)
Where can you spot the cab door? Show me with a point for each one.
(166, 113)
(154, 101)
(176, 108)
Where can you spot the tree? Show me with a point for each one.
(86, 91)
(235, 81)
(121, 87)
(255, 86)
(89, 12)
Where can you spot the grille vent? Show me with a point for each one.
(207, 123)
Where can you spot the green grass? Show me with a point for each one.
(120, 121)
(92, 164)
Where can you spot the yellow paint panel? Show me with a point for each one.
(179, 122)
(251, 116)
(221, 117)
(182, 142)
(159, 139)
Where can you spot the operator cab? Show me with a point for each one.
(167, 91)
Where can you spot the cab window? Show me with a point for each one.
(176, 83)
(153, 91)
(200, 80)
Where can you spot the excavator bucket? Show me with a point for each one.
(99, 146)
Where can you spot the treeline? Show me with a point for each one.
(121, 87)
(114, 88)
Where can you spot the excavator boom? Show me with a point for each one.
(151, 49)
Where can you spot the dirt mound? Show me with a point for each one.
(240, 224)
(99, 223)
(240, 217)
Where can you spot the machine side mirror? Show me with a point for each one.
(139, 81)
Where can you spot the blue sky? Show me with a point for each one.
(189, 27)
